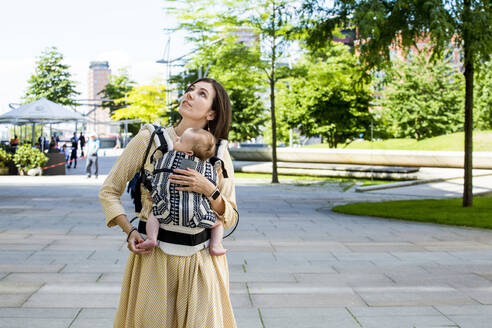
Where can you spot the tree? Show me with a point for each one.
(146, 102)
(270, 20)
(118, 87)
(422, 98)
(234, 64)
(381, 24)
(51, 80)
(483, 96)
(327, 97)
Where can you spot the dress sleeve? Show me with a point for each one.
(125, 168)
(228, 191)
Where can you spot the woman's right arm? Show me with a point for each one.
(127, 165)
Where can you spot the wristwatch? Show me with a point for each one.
(216, 194)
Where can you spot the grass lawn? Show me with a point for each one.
(442, 211)
(482, 141)
(308, 178)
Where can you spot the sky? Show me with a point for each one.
(126, 33)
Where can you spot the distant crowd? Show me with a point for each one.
(88, 148)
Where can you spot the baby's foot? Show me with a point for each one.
(217, 250)
(147, 243)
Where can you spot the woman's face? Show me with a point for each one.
(196, 103)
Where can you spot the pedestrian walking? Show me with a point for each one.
(82, 143)
(177, 284)
(73, 153)
(92, 149)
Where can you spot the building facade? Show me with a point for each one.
(99, 74)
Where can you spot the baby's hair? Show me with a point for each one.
(204, 147)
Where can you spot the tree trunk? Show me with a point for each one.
(272, 99)
(274, 132)
(468, 161)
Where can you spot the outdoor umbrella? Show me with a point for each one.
(40, 111)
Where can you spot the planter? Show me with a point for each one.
(4, 170)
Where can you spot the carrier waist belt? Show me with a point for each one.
(179, 238)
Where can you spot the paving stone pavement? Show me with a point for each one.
(293, 262)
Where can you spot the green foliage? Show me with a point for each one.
(234, 65)
(5, 158)
(422, 98)
(382, 24)
(51, 80)
(270, 20)
(146, 102)
(483, 96)
(441, 211)
(118, 87)
(327, 96)
(26, 158)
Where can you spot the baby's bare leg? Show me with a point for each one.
(151, 229)
(216, 236)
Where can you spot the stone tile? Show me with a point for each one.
(31, 267)
(310, 318)
(247, 317)
(412, 296)
(17, 287)
(465, 310)
(475, 321)
(92, 267)
(307, 300)
(97, 313)
(52, 277)
(86, 300)
(34, 322)
(13, 300)
(261, 276)
(350, 279)
(48, 312)
(240, 301)
(406, 321)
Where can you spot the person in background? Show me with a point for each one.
(82, 143)
(66, 153)
(14, 142)
(92, 149)
(73, 154)
(56, 139)
(42, 142)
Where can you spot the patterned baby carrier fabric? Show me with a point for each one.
(170, 206)
(188, 209)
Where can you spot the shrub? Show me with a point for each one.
(5, 158)
(26, 158)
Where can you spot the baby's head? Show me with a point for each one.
(197, 142)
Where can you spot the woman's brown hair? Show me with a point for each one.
(221, 105)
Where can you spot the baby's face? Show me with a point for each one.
(185, 142)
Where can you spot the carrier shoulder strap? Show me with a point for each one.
(163, 142)
(220, 149)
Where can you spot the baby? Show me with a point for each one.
(201, 144)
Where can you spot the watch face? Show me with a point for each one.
(216, 194)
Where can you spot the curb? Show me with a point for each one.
(410, 183)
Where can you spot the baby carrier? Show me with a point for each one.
(188, 209)
(170, 206)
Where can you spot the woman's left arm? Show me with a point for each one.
(225, 205)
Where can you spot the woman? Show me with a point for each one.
(176, 285)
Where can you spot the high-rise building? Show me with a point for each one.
(99, 73)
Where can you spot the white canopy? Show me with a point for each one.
(40, 111)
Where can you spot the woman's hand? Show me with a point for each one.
(191, 180)
(133, 240)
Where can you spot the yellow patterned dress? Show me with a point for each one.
(163, 290)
